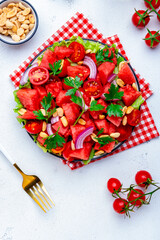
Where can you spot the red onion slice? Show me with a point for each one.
(92, 66)
(111, 77)
(49, 129)
(81, 137)
(24, 77)
(54, 119)
(83, 103)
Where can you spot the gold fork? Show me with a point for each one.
(32, 185)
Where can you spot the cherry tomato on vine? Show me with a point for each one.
(34, 127)
(152, 38)
(155, 3)
(142, 177)
(93, 88)
(114, 184)
(79, 52)
(158, 17)
(140, 18)
(134, 194)
(38, 75)
(119, 205)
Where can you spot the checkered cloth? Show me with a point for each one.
(80, 26)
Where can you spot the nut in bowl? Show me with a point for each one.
(18, 21)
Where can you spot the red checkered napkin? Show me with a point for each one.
(80, 26)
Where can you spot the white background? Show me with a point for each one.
(83, 205)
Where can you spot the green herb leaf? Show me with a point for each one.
(39, 115)
(113, 93)
(27, 85)
(69, 82)
(100, 131)
(56, 67)
(104, 140)
(90, 157)
(54, 141)
(114, 110)
(76, 100)
(47, 101)
(96, 107)
(71, 92)
(103, 55)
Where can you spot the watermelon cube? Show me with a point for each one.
(107, 148)
(72, 111)
(130, 94)
(48, 57)
(82, 153)
(102, 124)
(126, 74)
(62, 130)
(62, 98)
(105, 70)
(115, 120)
(29, 98)
(63, 52)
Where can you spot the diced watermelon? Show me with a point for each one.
(107, 148)
(130, 94)
(68, 133)
(102, 124)
(48, 57)
(63, 52)
(125, 132)
(82, 153)
(54, 88)
(115, 120)
(29, 98)
(85, 115)
(76, 130)
(90, 123)
(106, 87)
(126, 74)
(95, 114)
(41, 140)
(112, 128)
(87, 99)
(41, 91)
(62, 130)
(72, 111)
(28, 115)
(105, 70)
(62, 98)
(66, 152)
(80, 71)
(134, 117)
(63, 73)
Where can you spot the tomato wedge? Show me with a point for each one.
(134, 117)
(58, 149)
(93, 88)
(34, 127)
(79, 52)
(38, 75)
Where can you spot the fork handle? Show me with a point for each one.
(7, 155)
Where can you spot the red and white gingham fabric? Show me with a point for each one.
(78, 25)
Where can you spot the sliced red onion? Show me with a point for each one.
(81, 137)
(83, 103)
(49, 129)
(103, 97)
(92, 66)
(111, 77)
(24, 77)
(54, 119)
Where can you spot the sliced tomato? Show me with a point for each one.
(65, 64)
(93, 88)
(34, 127)
(63, 52)
(134, 117)
(38, 75)
(80, 71)
(79, 52)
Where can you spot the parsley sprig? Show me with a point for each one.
(46, 104)
(54, 141)
(114, 110)
(76, 83)
(113, 93)
(56, 67)
(103, 55)
(104, 140)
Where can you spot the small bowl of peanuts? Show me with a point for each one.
(18, 21)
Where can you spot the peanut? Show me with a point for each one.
(64, 121)
(120, 82)
(44, 126)
(100, 152)
(88, 51)
(43, 112)
(22, 111)
(124, 121)
(81, 121)
(43, 135)
(134, 86)
(60, 112)
(72, 145)
(16, 38)
(101, 116)
(94, 136)
(115, 135)
(129, 110)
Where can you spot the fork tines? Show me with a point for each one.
(40, 195)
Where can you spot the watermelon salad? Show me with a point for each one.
(79, 99)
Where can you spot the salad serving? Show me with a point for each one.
(79, 99)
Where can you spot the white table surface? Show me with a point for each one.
(83, 205)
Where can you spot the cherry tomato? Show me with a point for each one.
(38, 75)
(140, 18)
(142, 177)
(93, 88)
(155, 4)
(119, 205)
(34, 127)
(113, 184)
(134, 117)
(158, 16)
(58, 149)
(79, 52)
(152, 39)
(134, 195)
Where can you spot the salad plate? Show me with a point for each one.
(93, 98)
